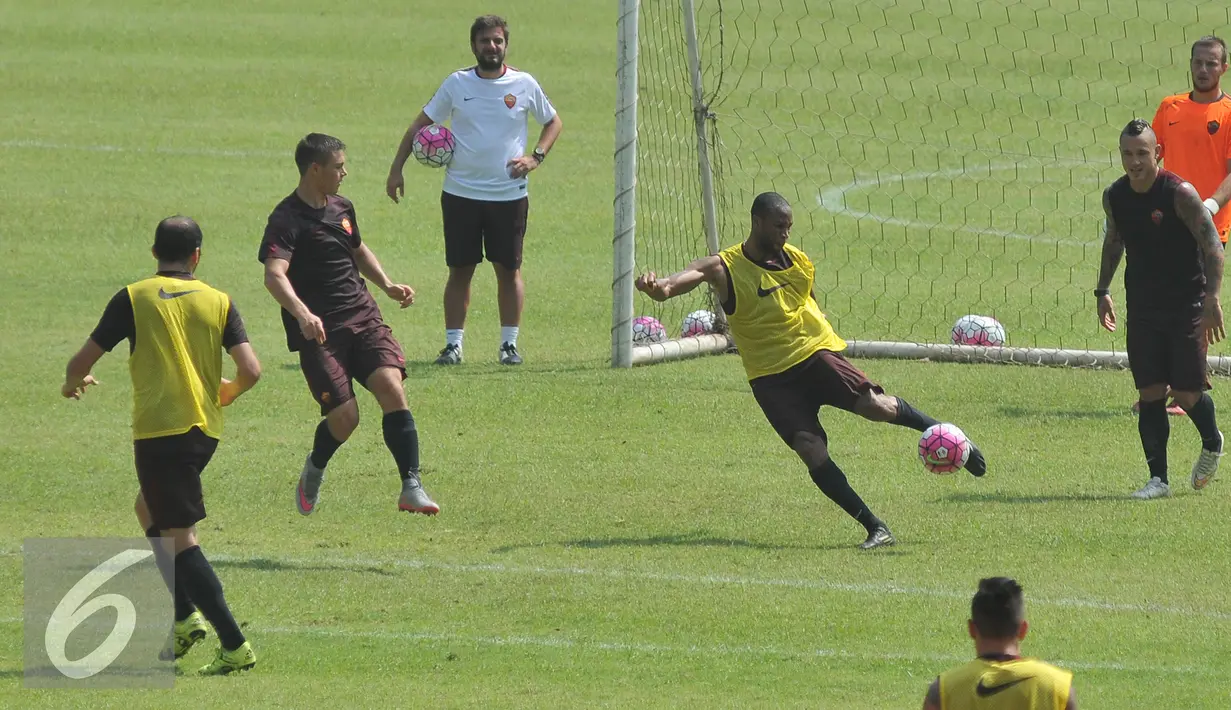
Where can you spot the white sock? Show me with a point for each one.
(508, 334)
(453, 336)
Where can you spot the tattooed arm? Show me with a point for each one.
(1197, 218)
(1113, 250)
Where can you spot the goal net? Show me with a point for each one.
(942, 158)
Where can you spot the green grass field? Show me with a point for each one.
(608, 538)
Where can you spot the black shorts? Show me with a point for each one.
(477, 227)
(1168, 349)
(348, 355)
(169, 470)
(792, 399)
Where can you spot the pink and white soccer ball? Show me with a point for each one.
(433, 146)
(978, 330)
(943, 448)
(698, 323)
(647, 329)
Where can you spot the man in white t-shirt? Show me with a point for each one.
(484, 201)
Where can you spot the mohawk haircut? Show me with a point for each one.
(1136, 127)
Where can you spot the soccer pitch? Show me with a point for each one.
(607, 538)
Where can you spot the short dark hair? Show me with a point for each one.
(768, 202)
(316, 148)
(998, 608)
(1136, 127)
(487, 22)
(176, 238)
(1210, 41)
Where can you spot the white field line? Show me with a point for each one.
(678, 650)
(208, 152)
(498, 568)
(833, 200)
(557, 642)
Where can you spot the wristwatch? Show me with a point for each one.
(539, 155)
(1100, 292)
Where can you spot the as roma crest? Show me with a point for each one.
(1157, 216)
(511, 101)
(347, 226)
(1212, 127)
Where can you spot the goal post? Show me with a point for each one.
(942, 159)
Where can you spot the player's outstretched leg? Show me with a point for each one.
(1200, 409)
(895, 410)
(814, 451)
(340, 422)
(1155, 430)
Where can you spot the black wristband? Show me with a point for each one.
(1100, 292)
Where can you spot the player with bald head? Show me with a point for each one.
(791, 353)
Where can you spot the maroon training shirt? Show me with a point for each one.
(319, 244)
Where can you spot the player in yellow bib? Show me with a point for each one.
(177, 328)
(999, 678)
(790, 351)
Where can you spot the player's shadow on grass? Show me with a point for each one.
(263, 564)
(1070, 414)
(1027, 500)
(695, 539)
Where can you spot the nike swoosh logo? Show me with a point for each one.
(470, 98)
(762, 291)
(168, 295)
(984, 691)
(1172, 123)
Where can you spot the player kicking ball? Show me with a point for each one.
(791, 353)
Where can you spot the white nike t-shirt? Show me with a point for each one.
(488, 120)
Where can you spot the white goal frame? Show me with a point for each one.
(625, 353)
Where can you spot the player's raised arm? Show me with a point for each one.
(1200, 222)
(1113, 251)
(395, 185)
(707, 269)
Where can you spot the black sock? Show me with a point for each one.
(402, 438)
(1154, 428)
(206, 591)
(166, 565)
(832, 482)
(912, 418)
(1202, 416)
(323, 445)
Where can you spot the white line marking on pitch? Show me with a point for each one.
(209, 152)
(707, 580)
(833, 200)
(656, 648)
(722, 580)
(675, 650)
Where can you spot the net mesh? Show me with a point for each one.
(943, 158)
